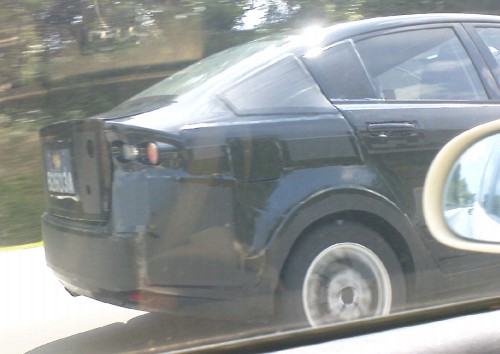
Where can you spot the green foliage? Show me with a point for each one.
(21, 192)
(21, 206)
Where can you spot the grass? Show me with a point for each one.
(21, 186)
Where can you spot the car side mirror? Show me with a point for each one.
(461, 196)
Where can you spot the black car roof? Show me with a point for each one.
(354, 28)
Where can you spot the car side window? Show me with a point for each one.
(340, 73)
(491, 37)
(284, 86)
(428, 64)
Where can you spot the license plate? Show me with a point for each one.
(59, 174)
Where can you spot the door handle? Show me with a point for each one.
(396, 129)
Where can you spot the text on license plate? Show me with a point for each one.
(59, 174)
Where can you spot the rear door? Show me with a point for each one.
(425, 90)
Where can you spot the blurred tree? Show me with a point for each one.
(326, 11)
(458, 193)
(222, 15)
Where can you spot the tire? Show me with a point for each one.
(339, 272)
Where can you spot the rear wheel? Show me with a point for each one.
(340, 272)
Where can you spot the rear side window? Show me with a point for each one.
(282, 87)
(429, 64)
(340, 73)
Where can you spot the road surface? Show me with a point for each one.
(38, 316)
(461, 221)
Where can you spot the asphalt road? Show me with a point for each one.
(38, 316)
(461, 222)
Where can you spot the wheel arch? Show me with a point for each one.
(356, 205)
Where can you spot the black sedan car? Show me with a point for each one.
(283, 176)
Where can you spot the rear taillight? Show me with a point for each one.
(148, 153)
(153, 153)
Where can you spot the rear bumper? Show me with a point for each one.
(88, 258)
(90, 261)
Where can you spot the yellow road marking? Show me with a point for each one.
(21, 247)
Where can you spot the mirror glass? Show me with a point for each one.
(472, 192)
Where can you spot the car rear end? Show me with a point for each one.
(124, 226)
(76, 229)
